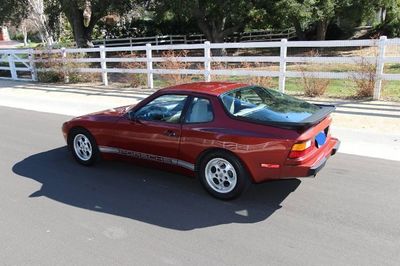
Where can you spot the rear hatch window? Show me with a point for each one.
(272, 107)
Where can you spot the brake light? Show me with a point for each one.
(300, 149)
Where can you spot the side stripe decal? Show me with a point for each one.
(147, 156)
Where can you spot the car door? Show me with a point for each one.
(153, 131)
(197, 134)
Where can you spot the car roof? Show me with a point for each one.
(210, 88)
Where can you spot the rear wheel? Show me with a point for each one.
(223, 175)
(83, 146)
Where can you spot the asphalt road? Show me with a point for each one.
(56, 212)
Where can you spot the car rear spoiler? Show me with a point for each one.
(317, 117)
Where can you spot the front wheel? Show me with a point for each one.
(83, 146)
(223, 175)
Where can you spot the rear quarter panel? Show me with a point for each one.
(253, 144)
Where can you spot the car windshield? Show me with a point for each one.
(266, 105)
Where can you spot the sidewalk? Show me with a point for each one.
(9, 44)
(63, 99)
(366, 128)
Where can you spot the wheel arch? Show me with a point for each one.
(74, 128)
(216, 149)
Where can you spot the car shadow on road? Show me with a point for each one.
(147, 195)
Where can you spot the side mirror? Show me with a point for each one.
(132, 117)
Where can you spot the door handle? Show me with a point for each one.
(170, 133)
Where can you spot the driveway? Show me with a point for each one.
(56, 212)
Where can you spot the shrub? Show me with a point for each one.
(364, 79)
(173, 63)
(49, 61)
(313, 86)
(134, 80)
(252, 80)
(61, 71)
(256, 80)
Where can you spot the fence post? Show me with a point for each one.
(282, 65)
(11, 64)
(149, 63)
(379, 67)
(207, 61)
(103, 65)
(64, 66)
(32, 64)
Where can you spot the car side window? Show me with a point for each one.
(166, 108)
(199, 111)
(241, 99)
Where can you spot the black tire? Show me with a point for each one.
(84, 157)
(220, 177)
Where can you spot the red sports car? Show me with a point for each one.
(227, 134)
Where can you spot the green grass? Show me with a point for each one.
(392, 69)
(338, 88)
(17, 64)
(391, 90)
(30, 45)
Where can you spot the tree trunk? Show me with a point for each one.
(216, 34)
(82, 21)
(40, 20)
(46, 31)
(25, 33)
(299, 31)
(322, 27)
(213, 35)
(82, 34)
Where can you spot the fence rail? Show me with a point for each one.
(251, 36)
(28, 59)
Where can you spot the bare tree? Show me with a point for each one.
(26, 26)
(39, 19)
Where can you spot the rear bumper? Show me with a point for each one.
(319, 165)
(312, 167)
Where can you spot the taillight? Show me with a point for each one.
(300, 149)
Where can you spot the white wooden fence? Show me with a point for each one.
(24, 57)
(28, 58)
